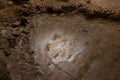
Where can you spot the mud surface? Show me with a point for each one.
(59, 40)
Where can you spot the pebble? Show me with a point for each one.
(16, 24)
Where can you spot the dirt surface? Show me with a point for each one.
(59, 40)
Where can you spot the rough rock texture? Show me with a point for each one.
(80, 48)
(91, 8)
(59, 40)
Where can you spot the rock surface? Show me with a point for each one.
(59, 40)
